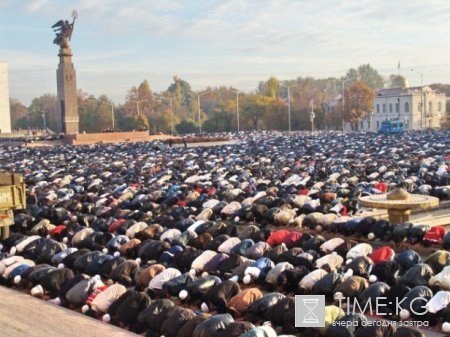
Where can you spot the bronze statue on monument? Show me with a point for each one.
(67, 117)
(63, 30)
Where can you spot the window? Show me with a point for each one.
(430, 107)
(390, 107)
(384, 107)
(440, 106)
(362, 125)
(378, 125)
(406, 107)
(397, 107)
(378, 108)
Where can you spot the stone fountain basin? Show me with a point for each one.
(414, 201)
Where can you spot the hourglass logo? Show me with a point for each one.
(309, 311)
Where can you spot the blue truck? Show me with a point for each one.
(389, 127)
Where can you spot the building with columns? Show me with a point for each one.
(417, 107)
(5, 115)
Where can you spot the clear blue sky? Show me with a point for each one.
(118, 43)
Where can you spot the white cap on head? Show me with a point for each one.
(373, 278)
(338, 296)
(84, 308)
(237, 219)
(98, 277)
(138, 261)
(193, 272)
(204, 307)
(247, 279)
(348, 273)
(65, 239)
(105, 250)
(348, 261)
(61, 265)
(205, 273)
(116, 254)
(37, 290)
(106, 318)
(234, 278)
(371, 236)
(446, 327)
(13, 250)
(183, 294)
(48, 236)
(56, 301)
(17, 279)
(404, 314)
(1, 247)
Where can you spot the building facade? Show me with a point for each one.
(5, 115)
(418, 108)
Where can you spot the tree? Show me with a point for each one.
(181, 90)
(187, 126)
(359, 99)
(397, 81)
(142, 123)
(222, 118)
(139, 98)
(367, 74)
(18, 113)
(44, 105)
(269, 88)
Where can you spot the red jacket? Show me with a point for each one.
(435, 234)
(278, 237)
(382, 254)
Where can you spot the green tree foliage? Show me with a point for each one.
(44, 105)
(182, 92)
(187, 126)
(359, 99)
(367, 74)
(95, 113)
(222, 118)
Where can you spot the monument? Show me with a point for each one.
(67, 118)
(5, 116)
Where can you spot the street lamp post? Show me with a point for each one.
(421, 97)
(137, 104)
(112, 113)
(43, 118)
(289, 102)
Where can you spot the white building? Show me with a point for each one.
(405, 104)
(5, 116)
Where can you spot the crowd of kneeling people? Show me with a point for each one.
(229, 279)
(217, 243)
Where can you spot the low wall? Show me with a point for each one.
(112, 137)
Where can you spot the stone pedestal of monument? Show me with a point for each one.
(67, 118)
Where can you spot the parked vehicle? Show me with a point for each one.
(391, 127)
